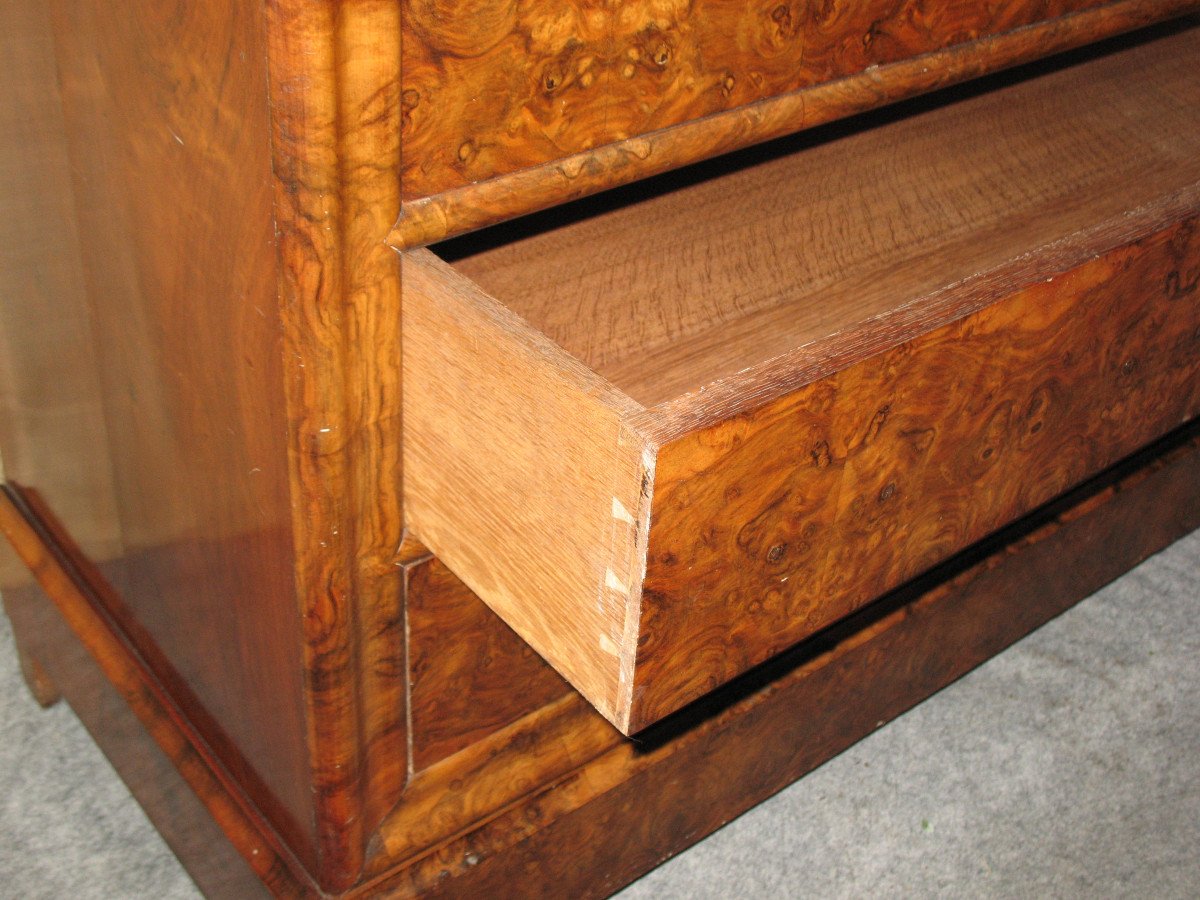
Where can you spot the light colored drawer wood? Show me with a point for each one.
(670, 440)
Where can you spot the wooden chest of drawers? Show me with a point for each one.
(721, 447)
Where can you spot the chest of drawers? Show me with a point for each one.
(750, 456)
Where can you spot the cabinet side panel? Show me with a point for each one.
(47, 410)
(166, 124)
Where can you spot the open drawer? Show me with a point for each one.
(666, 441)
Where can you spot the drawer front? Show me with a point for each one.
(582, 95)
(492, 86)
(776, 523)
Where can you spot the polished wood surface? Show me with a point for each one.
(87, 656)
(699, 276)
(45, 406)
(220, 444)
(543, 84)
(1006, 310)
(470, 675)
(334, 80)
(172, 187)
(632, 807)
(899, 462)
(201, 416)
(607, 809)
(492, 87)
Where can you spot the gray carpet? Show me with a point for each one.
(1068, 766)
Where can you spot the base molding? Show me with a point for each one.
(225, 846)
(622, 812)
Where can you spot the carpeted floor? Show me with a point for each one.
(1068, 766)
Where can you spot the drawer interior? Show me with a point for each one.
(669, 432)
(709, 275)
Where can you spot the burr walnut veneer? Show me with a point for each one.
(751, 455)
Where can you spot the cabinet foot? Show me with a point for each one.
(44, 690)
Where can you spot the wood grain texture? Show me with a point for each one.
(491, 775)
(526, 805)
(491, 87)
(149, 737)
(169, 159)
(334, 82)
(771, 526)
(586, 833)
(521, 475)
(226, 450)
(844, 372)
(235, 176)
(676, 284)
(368, 49)
(469, 674)
(677, 83)
(45, 407)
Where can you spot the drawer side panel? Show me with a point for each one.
(522, 477)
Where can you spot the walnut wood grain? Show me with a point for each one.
(490, 88)
(171, 174)
(856, 381)
(677, 284)
(45, 407)
(368, 49)
(543, 747)
(469, 674)
(526, 805)
(210, 201)
(335, 138)
(92, 660)
(235, 172)
(677, 84)
(624, 811)
(900, 461)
